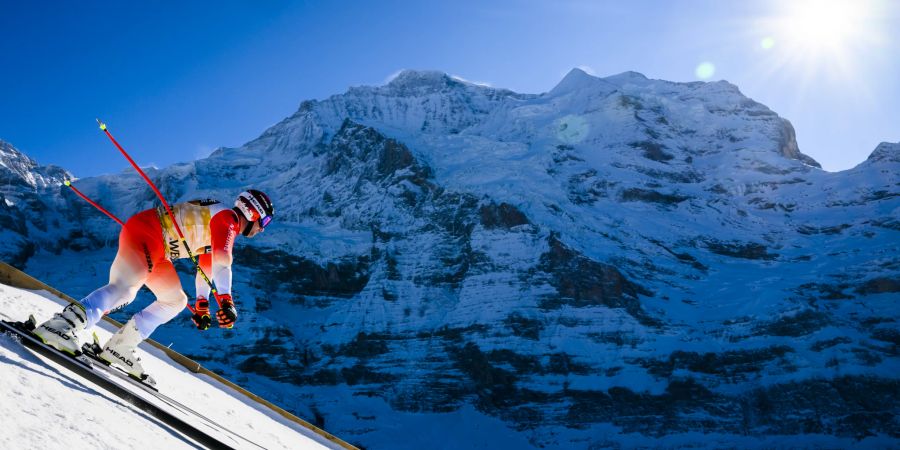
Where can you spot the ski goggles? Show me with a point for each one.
(264, 222)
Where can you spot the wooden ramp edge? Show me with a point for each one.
(11, 276)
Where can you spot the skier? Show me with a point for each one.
(147, 246)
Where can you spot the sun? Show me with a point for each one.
(822, 38)
(824, 26)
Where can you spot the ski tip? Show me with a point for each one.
(102, 125)
(67, 183)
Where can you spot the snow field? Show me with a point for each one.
(45, 406)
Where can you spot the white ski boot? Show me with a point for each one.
(121, 350)
(61, 332)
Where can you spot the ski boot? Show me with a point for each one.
(121, 350)
(61, 332)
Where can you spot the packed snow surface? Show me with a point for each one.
(44, 405)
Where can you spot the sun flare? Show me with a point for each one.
(829, 38)
(822, 26)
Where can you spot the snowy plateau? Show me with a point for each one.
(618, 262)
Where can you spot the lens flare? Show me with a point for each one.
(705, 70)
(823, 39)
(572, 129)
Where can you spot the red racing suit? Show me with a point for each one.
(148, 243)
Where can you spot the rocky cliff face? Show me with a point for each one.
(23, 184)
(619, 257)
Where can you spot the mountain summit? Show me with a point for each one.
(428, 80)
(575, 80)
(885, 152)
(18, 169)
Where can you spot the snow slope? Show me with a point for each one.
(43, 405)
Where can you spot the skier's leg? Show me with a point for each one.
(170, 299)
(141, 248)
(126, 275)
(121, 348)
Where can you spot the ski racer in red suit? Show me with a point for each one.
(148, 244)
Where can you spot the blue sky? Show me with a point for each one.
(175, 81)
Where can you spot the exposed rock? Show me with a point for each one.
(365, 346)
(826, 291)
(261, 365)
(683, 257)
(745, 250)
(502, 216)
(788, 145)
(728, 365)
(582, 282)
(524, 327)
(522, 363)
(585, 188)
(822, 345)
(879, 286)
(495, 389)
(837, 229)
(887, 335)
(841, 406)
(494, 386)
(650, 196)
(564, 364)
(885, 152)
(800, 324)
(417, 82)
(653, 151)
(283, 274)
(362, 374)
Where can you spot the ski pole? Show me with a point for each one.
(187, 247)
(111, 216)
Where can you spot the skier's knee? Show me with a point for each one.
(131, 292)
(121, 294)
(179, 300)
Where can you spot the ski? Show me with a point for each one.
(83, 366)
(92, 350)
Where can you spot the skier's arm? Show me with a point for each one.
(224, 228)
(201, 287)
(201, 316)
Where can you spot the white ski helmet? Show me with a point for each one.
(255, 206)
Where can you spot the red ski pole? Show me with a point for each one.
(111, 216)
(187, 247)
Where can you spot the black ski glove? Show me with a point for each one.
(201, 316)
(227, 313)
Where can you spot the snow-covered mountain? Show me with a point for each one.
(616, 260)
(21, 182)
